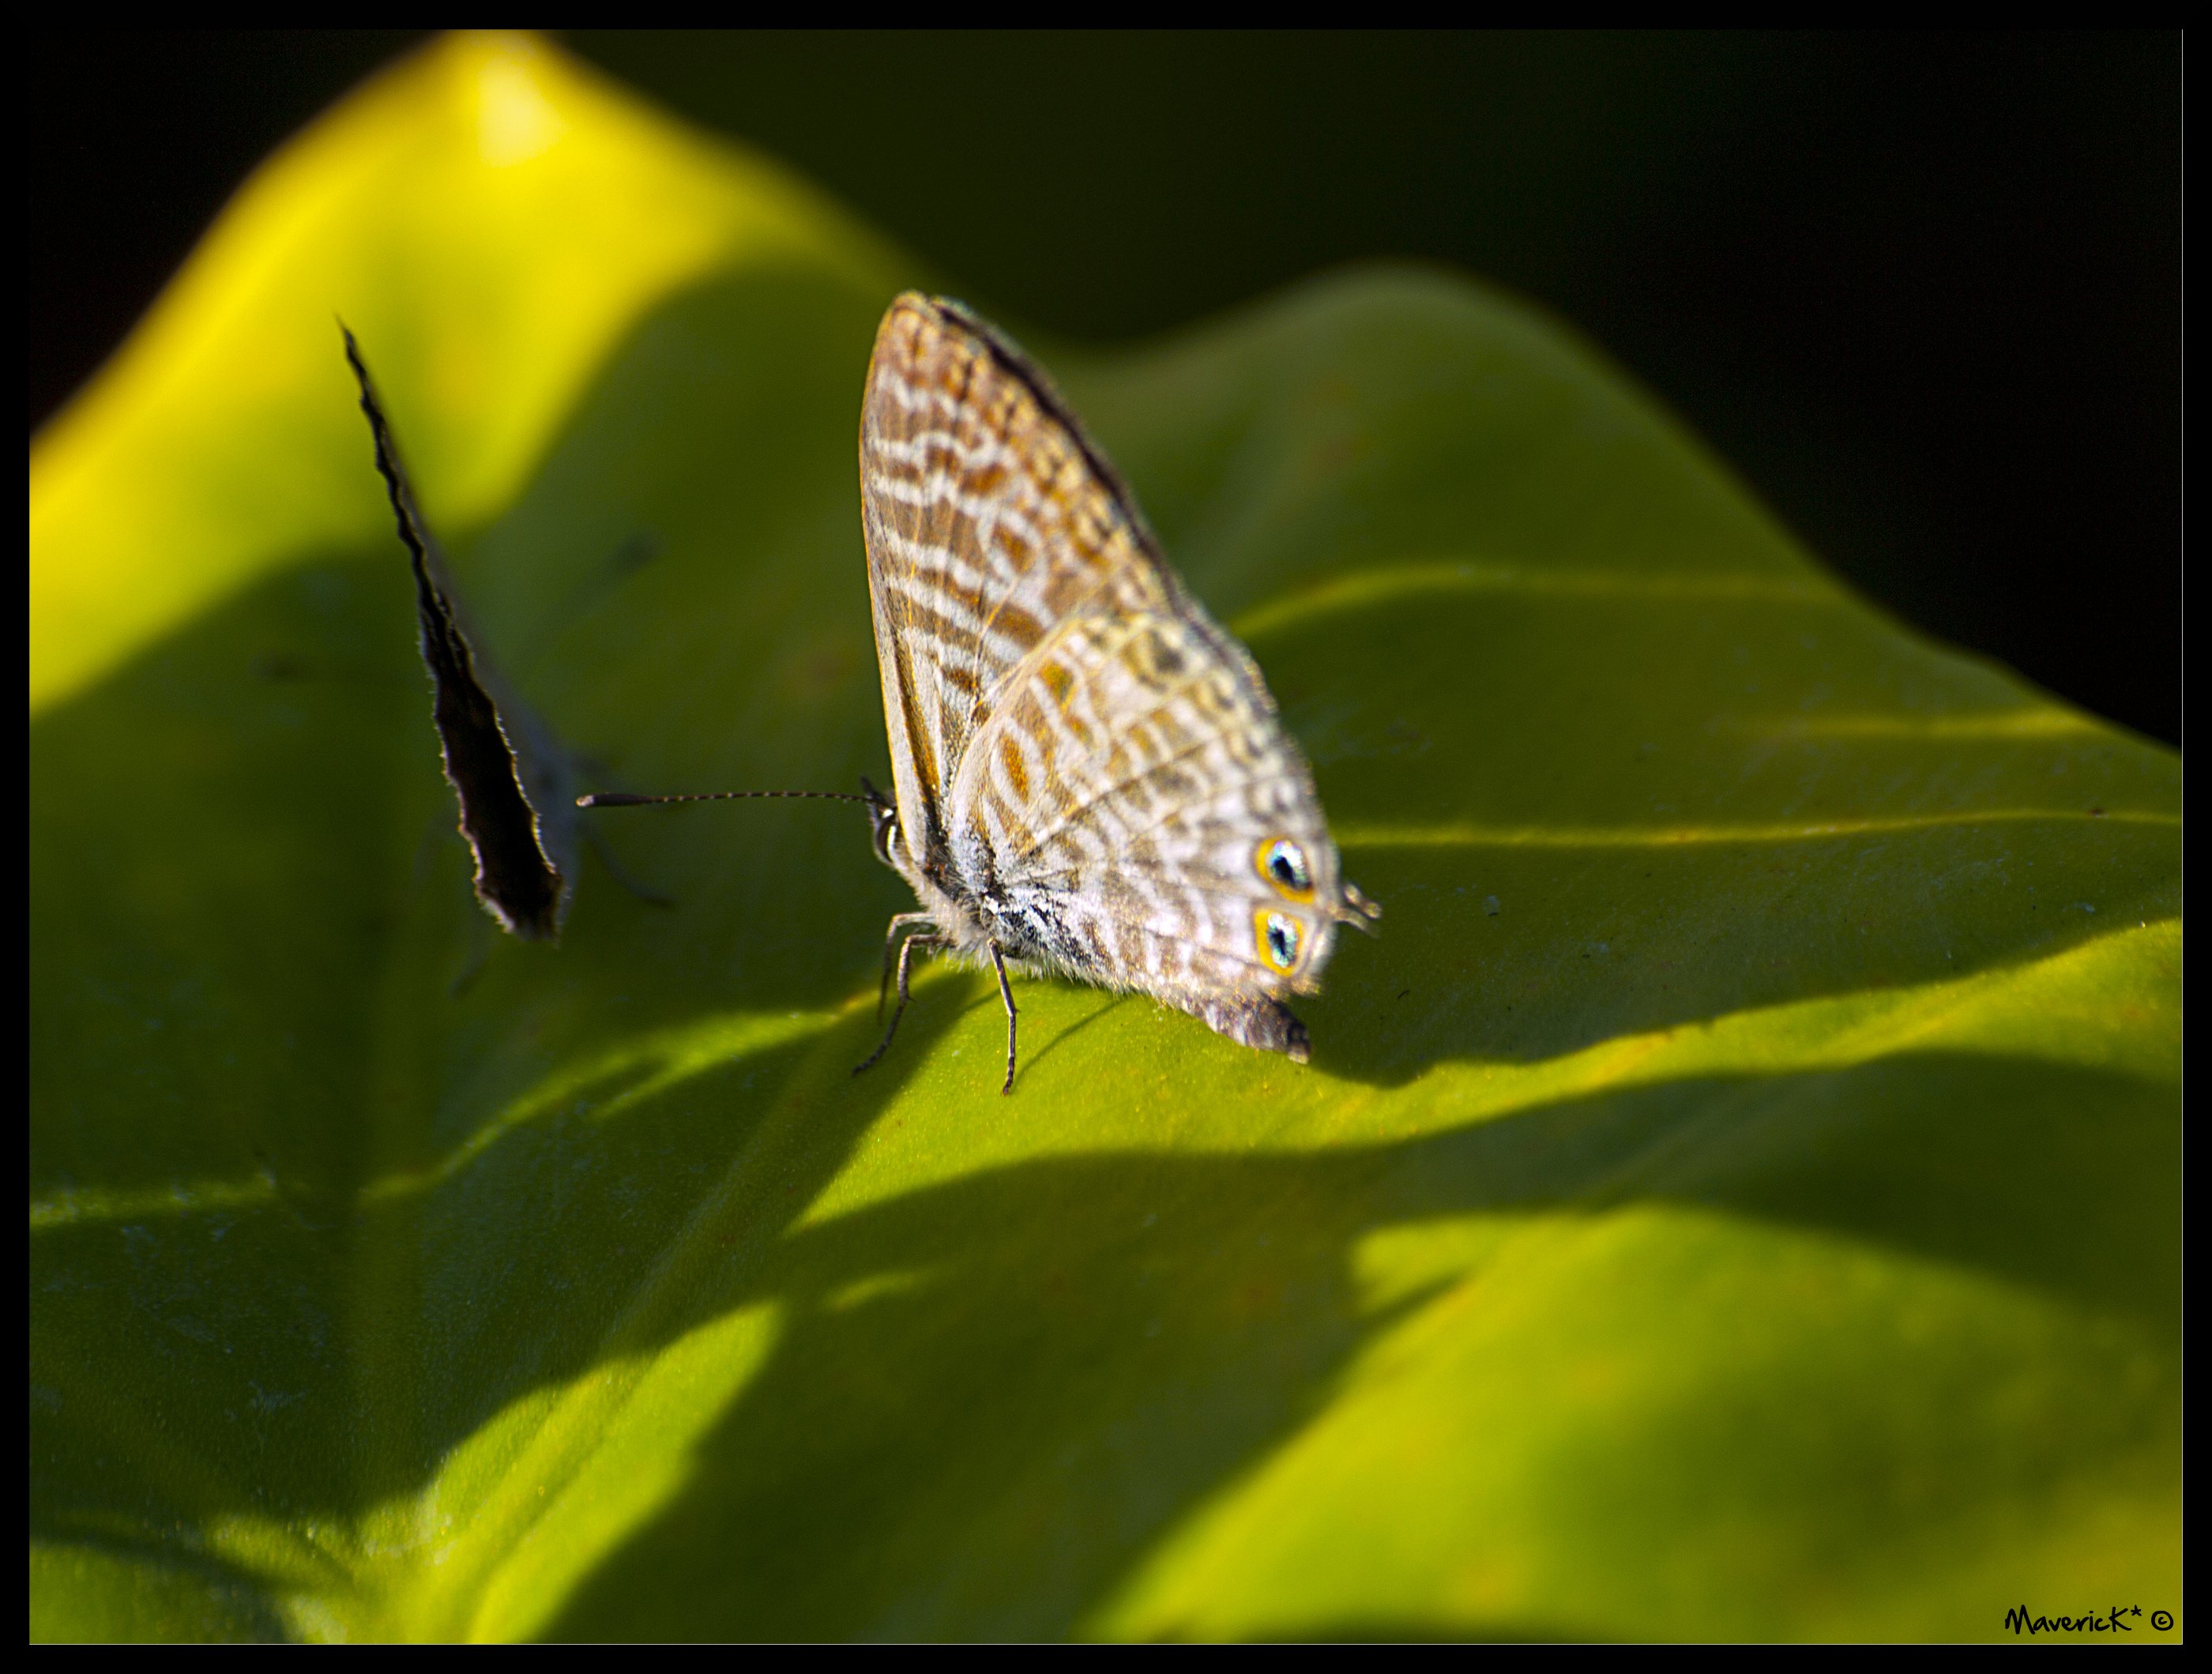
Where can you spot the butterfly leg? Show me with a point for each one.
(899, 921)
(922, 938)
(1006, 994)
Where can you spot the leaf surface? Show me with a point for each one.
(1737, 1196)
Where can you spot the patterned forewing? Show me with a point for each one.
(988, 520)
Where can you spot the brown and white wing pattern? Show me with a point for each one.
(1088, 767)
(986, 520)
(1143, 817)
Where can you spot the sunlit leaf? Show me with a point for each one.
(1738, 1195)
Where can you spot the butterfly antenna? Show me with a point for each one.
(623, 799)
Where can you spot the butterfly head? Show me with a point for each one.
(883, 824)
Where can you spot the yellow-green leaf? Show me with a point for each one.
(1738, 1195)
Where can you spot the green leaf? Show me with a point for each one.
(1738, 1195)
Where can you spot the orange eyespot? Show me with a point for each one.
(1283, 864)
(1281, 938)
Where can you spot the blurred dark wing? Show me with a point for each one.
(493, 766)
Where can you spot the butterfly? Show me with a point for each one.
(1090, 778)
(510, 780)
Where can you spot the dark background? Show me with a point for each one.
(1923, 293)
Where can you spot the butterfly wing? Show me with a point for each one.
(1144, 818)
(1076, 745)
(509, 778)
(987, 518)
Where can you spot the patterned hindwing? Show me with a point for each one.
(989, 519)
(1138, 814)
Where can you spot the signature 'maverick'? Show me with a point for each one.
(1090, 776)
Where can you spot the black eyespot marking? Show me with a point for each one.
(1283, 864)
(1280, 937)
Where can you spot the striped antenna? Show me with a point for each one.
(619, 799)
